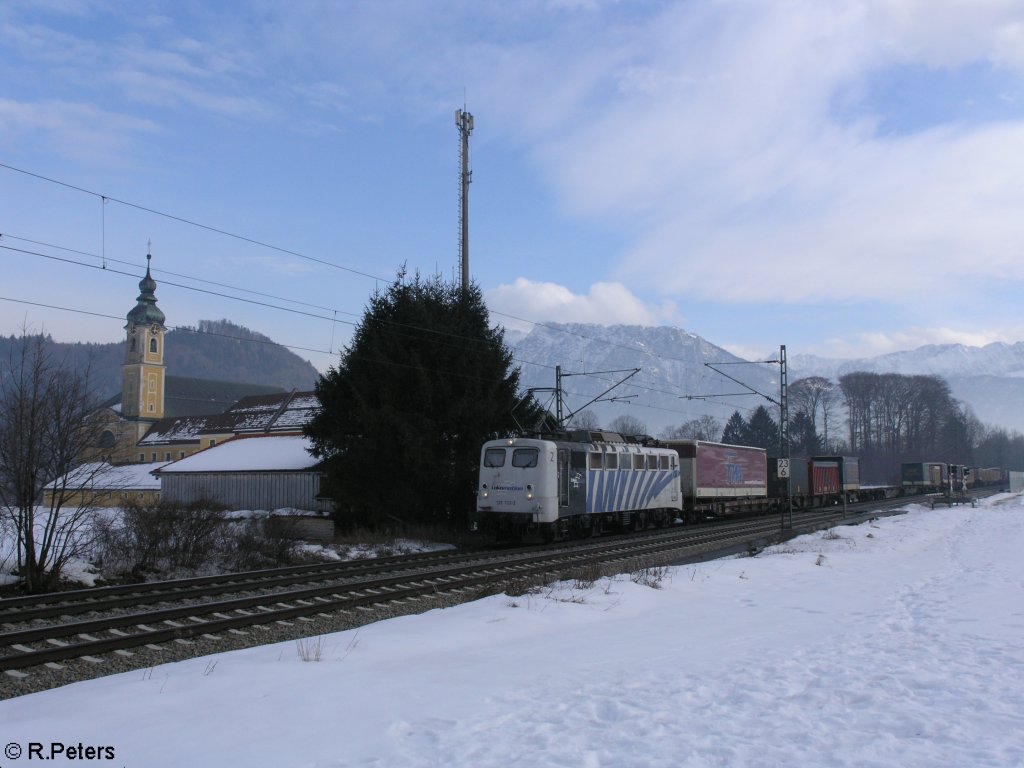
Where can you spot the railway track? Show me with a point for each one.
(135, 625)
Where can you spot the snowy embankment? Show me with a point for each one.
(896, 643)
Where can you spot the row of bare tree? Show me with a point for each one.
(884, 419)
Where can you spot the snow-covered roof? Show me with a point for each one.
(101, 476)
(269, 453)
(284, 412)
(175, 429)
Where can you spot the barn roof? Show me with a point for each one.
(101, 476)
(255, 453)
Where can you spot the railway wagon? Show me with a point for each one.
(797, 481)
(718, 479)
(825, 480)
(557, 488)
(924, 476)
(811, 483)
(990, 476)
(849, 471)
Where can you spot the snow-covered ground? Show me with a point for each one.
(80, 571)
(896, 643)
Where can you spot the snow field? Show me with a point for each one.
(895, 643)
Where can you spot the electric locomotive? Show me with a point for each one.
(578, 485)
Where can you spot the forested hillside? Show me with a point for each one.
(217, 349)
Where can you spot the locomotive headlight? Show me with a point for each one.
(529, 493)
(484, 491)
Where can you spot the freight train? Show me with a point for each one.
(584, 482)
(939, 477)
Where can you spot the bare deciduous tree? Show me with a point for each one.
(812, 396)
(47, 430)
(704, 428)
(585, 419)
(628, 425)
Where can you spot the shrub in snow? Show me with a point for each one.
(650, 576)
(159, 537)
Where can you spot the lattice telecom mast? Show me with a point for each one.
(464, 122)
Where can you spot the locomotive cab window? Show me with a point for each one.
(652, 461)
(525, 457)
(494, 457)
(663, 462)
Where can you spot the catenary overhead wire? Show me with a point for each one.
(183, 328)
(159, 271)
(262, 244)
(107, 198)
(457, 339)
(378, 361)
(183, 220)
(296, 311)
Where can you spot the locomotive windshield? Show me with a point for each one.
(525, 457)
(494, 457)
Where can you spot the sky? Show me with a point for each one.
(840, 176)
(892, 644)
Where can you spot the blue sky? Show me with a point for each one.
(844, 178)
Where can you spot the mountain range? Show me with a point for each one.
(217, 351)
(679, 370)
(681, 375)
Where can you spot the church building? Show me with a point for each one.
(138, 429)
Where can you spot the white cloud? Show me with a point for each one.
(519, 305)
(70, 128)
(721, 150)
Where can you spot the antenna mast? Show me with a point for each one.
(464, 122)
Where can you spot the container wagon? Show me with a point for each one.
(924, 477)
(719, 479)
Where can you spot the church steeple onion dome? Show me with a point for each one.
(146, 312)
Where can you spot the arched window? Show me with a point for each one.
(152, 345)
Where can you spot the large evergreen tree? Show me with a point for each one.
(424, 382)
(803, 437)
(762, 430)
(736, 430)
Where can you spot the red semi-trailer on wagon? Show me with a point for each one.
(720, 479)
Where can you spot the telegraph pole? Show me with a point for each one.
(464, 122)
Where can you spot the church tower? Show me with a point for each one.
(142, 390)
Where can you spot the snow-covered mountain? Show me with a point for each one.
(946, 360)
(673, 366)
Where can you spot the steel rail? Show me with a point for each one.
(476, 570)
(326, 599)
